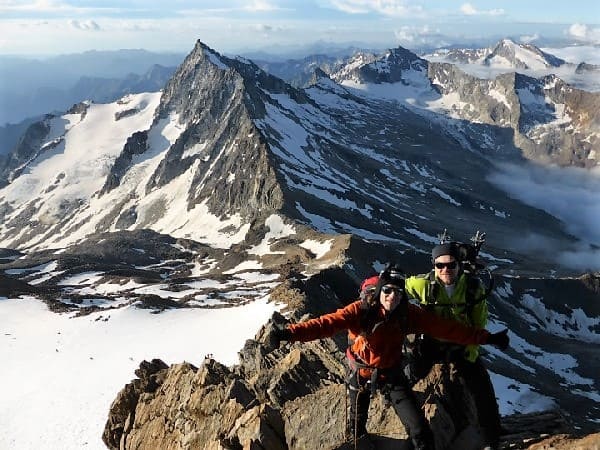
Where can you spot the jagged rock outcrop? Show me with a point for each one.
(136, 144)
(546, 119)
(293, 397)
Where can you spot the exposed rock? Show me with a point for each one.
(566, 442)
(149, 378)
(26, 149)
(295, 399)
(13, 287)
(584, 67)
(136, 144)
(293, 396)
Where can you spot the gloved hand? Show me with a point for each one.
(280, 333)
(499, 339)
(283, 333)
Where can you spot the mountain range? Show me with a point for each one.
(230, 170)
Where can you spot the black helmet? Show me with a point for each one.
(392, 274)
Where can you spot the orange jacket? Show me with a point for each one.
(382, 348)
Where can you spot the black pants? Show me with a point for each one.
(475, 375)
(400, 395)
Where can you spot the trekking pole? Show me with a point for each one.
(444, 237)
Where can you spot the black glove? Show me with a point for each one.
(499, 339)
(283, 333)
(280, 333)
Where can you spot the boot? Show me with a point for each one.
(363, 442)
(423, 441)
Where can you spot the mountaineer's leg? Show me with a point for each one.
(405, 406)
(359, 398)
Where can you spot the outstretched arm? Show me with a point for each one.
(326, 325)
(421, 321)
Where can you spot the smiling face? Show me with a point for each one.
(390, 296)
(446, 269)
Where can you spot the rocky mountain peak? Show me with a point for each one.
(521, 56)
(391, 67)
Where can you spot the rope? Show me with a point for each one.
(360, 390)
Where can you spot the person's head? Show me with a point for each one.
(391, 287)
(445, 262)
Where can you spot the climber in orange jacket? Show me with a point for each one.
(378, 329)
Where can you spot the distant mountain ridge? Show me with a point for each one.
(505, 53)
(33, 87)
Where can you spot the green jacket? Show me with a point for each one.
(418, 287)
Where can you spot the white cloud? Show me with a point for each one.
(84, 25)
(410, 35)
(469, 10)
(38, 6)
(261, 6)
(569, 194)
(582, 32)
(385, 7)
(528, 39)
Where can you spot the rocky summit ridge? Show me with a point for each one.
(293, 397)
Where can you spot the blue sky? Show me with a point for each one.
(56, 26)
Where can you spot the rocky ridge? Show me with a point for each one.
(277, 396)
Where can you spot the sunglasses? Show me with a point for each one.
(449, 265)
(388, 290)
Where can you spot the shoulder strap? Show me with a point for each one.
(474, 285)
(432, 290)
(368, 316)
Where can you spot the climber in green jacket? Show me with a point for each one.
(451, 293)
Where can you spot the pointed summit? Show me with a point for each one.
(508, 53)
(386, 68)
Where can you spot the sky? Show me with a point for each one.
(49, 27)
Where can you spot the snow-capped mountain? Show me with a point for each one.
(544, 119)
(506, 54)
(211, 192)
(226, 145)
(522, 56)
(299, 72)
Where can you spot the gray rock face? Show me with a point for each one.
(532, 109)
(26, 149)
(136, 145)
(217, 123)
